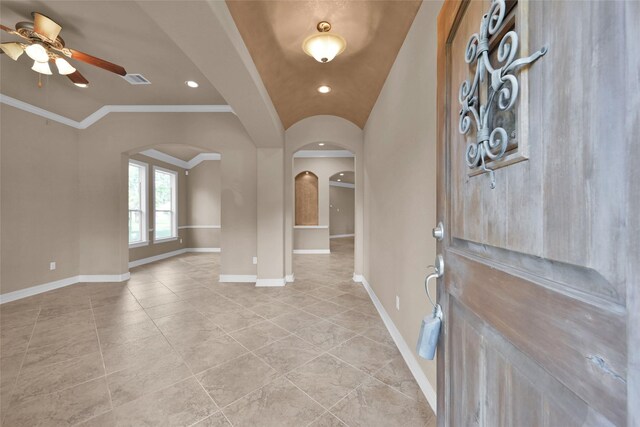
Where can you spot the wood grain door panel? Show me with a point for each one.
(538, 280)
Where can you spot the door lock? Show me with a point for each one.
(438, 232)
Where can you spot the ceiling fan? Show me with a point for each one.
(44, 45)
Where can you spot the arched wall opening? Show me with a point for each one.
(346, 136)
(104, 154)
(306, 198)
(174, 202)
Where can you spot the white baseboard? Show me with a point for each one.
(290, 278)
(155, 258)
(238, 278)
(270, 282)
(339, 236)
(312, 251)
(93, 278)
(84, 278)
(405, 350)
(358, 278)
(166, 255)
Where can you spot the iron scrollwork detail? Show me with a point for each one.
(491, 143)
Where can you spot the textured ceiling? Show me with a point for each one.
(348, 177)
(118, 31)
(273, 32)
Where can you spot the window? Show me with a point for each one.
(165, 201)
(138, 233)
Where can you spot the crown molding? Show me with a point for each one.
(322, 153)
(107, 109)
(341, 184)
(163, 157)
(201, 158)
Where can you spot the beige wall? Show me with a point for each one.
(203, 205)
(152, 248)
(400, 181)
(341, 210)
(336, 131)
(270, 177)
(39, 200)
(106, 146)
(323, 168)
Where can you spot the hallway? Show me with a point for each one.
(172, 346)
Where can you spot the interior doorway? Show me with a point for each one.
(323, 208)
(342, 212)
(173, 202)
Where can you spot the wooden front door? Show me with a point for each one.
(540, 290)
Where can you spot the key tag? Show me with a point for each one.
(430, 329)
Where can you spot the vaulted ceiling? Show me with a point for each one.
(118, 31)
(273, 32)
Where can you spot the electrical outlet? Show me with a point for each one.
(397, 303)
(52, 265)
(181, 240)
(255, 260)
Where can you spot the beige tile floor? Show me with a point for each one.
(174, 347)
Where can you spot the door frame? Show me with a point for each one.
(449, 14)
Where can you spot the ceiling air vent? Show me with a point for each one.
(136, 79)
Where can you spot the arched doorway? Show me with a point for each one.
(340, 135)
(174, 204)
(316, 257)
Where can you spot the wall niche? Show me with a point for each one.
(306, 198)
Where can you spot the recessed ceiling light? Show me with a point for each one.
(339, 180)
(191, 83)
(321, 144)
(81, 84)
(306, 172)
(342, 174)
(324, 89)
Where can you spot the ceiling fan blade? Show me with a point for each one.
(12, 31)
(85, 57)
(45, 26)
(78, 79)
(13, 50)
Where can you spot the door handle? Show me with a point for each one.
(438, 232)
(438, 272)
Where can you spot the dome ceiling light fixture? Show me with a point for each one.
(324, 46)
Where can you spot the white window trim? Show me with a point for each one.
(168, 239)
(145, 204)
(174, 200)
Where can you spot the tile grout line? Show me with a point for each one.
(104, 366)
(24, 357)
(289, 334)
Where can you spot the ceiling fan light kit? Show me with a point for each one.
(37, 52)
(42, 68)
(325, 46)
(64, 68)
(43, 44)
